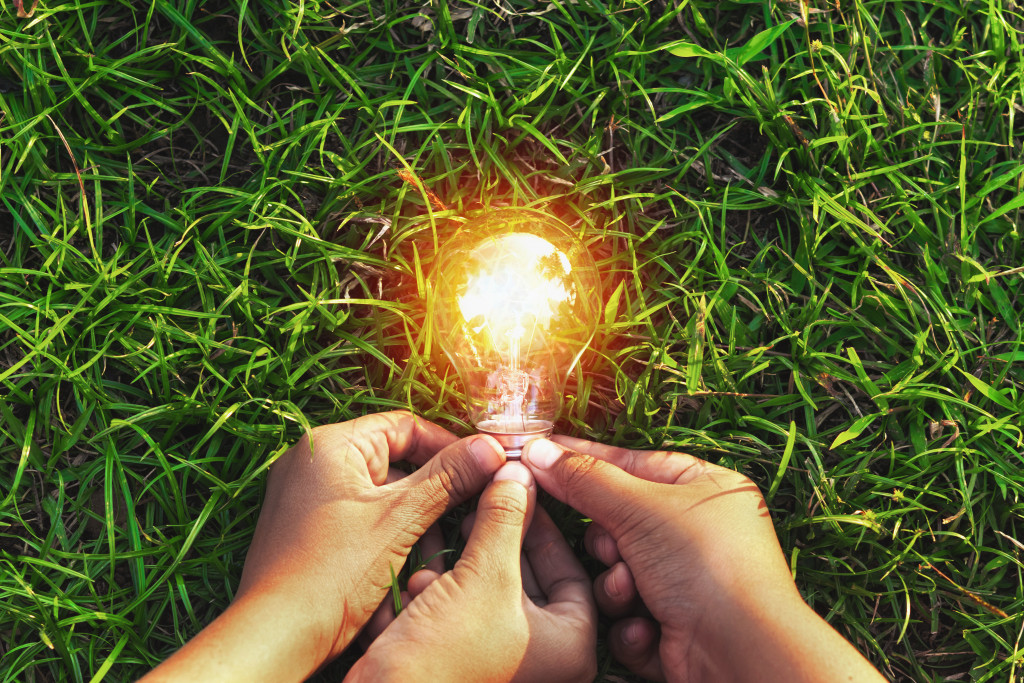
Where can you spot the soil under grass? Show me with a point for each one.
(215, 219)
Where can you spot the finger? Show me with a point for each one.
(634, 643)
(600, 544)
(466, 528)
(432, 549)
(559, 574)
(382, 438)
(615, 591)
(458, 472)
(601, 490)
(394, 475)
(419, 581)
(530, 585)
(409, 437)
(503, 513)
(469, 521)
(382, 617)
(663, 467)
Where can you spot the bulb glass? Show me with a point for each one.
(515, 297)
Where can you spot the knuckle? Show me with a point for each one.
(634, 458)
(321, 429)
(432, 499)
(576, 467)
(636, 455)
(623, 513)
(727, 479)
(633, 520)
(324, 439)
(299, 451)
(304, 444)
(452, 480)
(507, 505)
(446, 482)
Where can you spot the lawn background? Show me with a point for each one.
(216, 218)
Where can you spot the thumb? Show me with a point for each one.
(502, 517)
(600, 490)
(455, 474)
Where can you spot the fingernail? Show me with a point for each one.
(611, 586)
(486, 453)
(541, 453)
(632, 633)
(514, 471)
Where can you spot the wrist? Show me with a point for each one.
(409, 661)
(314, 622)
(735, 637)
(769, 636)
(300, 641)
(258, 637)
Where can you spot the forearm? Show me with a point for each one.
(781, 640)
(258, 638)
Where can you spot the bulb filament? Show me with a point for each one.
(516, 288)
(513, 382)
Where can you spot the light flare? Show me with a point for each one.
(516, 285)
(520, 282)
(515, 297)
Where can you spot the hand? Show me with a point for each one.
(331, 531)
(493, 618)
(691, 545)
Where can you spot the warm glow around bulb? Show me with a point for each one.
(518, 281)
(515, 297)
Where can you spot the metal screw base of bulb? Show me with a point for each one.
(513, 438)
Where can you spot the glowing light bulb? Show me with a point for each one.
(515, 302)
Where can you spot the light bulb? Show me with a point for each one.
(515, 302)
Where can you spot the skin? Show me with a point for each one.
(495, 616)
(331, 529)
(697, 582)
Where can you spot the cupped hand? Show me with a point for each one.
(697, 579)
(336, 521)
(510, 610)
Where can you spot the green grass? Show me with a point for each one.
(809, 239)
